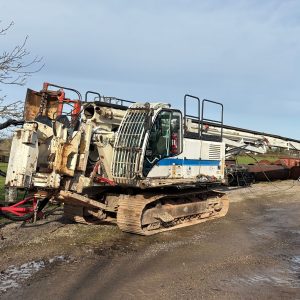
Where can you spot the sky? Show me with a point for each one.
(245, 54)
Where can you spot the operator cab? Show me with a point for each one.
(165, 138)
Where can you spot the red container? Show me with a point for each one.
(263, 172)
(295, 173)
(288, 162)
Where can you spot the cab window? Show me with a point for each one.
(165, 138)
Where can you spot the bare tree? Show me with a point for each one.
(16, 66)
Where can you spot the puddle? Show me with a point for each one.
(59, 258)
(13, 276)
(287, 277)
(280, 279)
(296, 260)
(156, 249)
(275, 209)
(295, 231)
(296, 266)
(265, 232)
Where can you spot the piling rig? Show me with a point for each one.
(108, 159)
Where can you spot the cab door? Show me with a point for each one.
(165, 141)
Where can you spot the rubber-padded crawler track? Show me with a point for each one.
(132, 208)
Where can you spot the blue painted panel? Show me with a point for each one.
(187, 162)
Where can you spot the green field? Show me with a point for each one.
(20, 194)
(3, 167)
(245, 159)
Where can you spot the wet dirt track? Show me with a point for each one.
(252, 253)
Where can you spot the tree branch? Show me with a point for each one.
(13, 66)
(16, 66)
(4, 30)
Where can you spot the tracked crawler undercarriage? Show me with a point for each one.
(148, 214)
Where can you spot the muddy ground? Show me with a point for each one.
(252, 253)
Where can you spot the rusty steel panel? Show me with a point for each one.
(264, 162)
(33, 105)
(66, 160)
(79, 200)
(268, 172)
(295, 173)
(288, 161)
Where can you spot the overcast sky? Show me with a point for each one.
(245, 54)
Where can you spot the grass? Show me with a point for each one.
(20, 194)
(3, 167)
(245, 159)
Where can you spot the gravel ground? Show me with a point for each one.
(252, 253)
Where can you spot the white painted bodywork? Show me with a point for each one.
(23, 157)
(199, 158)
(249, 140)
